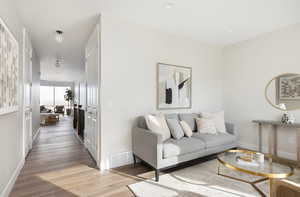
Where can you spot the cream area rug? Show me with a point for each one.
(200, 180)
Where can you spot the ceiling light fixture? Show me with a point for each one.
(58, 62)
(59, 36)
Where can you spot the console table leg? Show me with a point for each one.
(260, 137)
(298, 147)
(273, 141)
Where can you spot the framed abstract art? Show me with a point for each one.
(174, 86)
(9, 70)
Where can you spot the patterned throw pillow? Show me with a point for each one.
(218, 119)
(206, 126)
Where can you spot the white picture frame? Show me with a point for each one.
(9, 70)
(174, 87)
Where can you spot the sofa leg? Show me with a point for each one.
(156, 175)
(134, 160)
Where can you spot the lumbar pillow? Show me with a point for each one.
(186, 129)
(189, 118)
(218, 119)
(175, 128)
(206, 126)
(158, 124)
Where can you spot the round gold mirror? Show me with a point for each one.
(283, 92)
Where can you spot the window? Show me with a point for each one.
(47, 95)
(60, 95)
(53, 95)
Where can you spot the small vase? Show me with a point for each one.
(287, 118)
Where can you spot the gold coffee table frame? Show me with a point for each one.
(267, 176)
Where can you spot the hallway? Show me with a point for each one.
(59, 165)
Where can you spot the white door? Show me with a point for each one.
(27, 92)
(92, 55)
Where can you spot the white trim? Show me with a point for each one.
(284, 154)
(12, 180)
(118, 159)
(36, 134)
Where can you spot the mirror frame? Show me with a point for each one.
(266, 89)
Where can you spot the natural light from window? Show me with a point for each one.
(53, 95)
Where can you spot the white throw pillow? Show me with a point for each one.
(218, 118)
(158, 124)
(206, 126)
(186, 129)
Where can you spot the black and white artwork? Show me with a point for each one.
(289, 87)
(174, 86)
(9, 70)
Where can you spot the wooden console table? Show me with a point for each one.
(273, 136)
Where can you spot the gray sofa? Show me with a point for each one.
(149, 147)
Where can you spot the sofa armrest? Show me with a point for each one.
(230, 128)
(147, 146)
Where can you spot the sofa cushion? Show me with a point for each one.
(190, 118)
(218, 118)
(158, 124)
(175, 128)
(172, 116)
(212, 140)
(186, 129)
(172, 147)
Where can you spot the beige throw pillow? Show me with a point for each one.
(206, 126)
(158, 124)
(186, 129)
(218, 119)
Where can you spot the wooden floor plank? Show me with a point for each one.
(59, 165)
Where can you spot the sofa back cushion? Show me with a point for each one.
(172, 116)
(190, 119)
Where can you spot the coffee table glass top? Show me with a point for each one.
(269, 168)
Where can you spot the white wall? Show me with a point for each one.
(10, 124)
(249, 66)
(129, 56)
(11, 138)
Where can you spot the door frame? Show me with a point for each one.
(101, 165)
(24, 132)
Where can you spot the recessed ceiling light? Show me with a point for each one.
(59, 36)
(169, 4)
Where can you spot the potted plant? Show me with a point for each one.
(69, 98)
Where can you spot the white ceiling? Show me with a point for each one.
(75, 17)
(211, 21)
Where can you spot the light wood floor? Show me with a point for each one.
(59, 165)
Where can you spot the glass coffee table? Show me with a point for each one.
(269, 169)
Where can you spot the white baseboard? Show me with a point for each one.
(117, 160)
(36, 134)
(287, 155)
(12, 180)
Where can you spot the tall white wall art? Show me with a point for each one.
(9, 70)
(174, 86)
